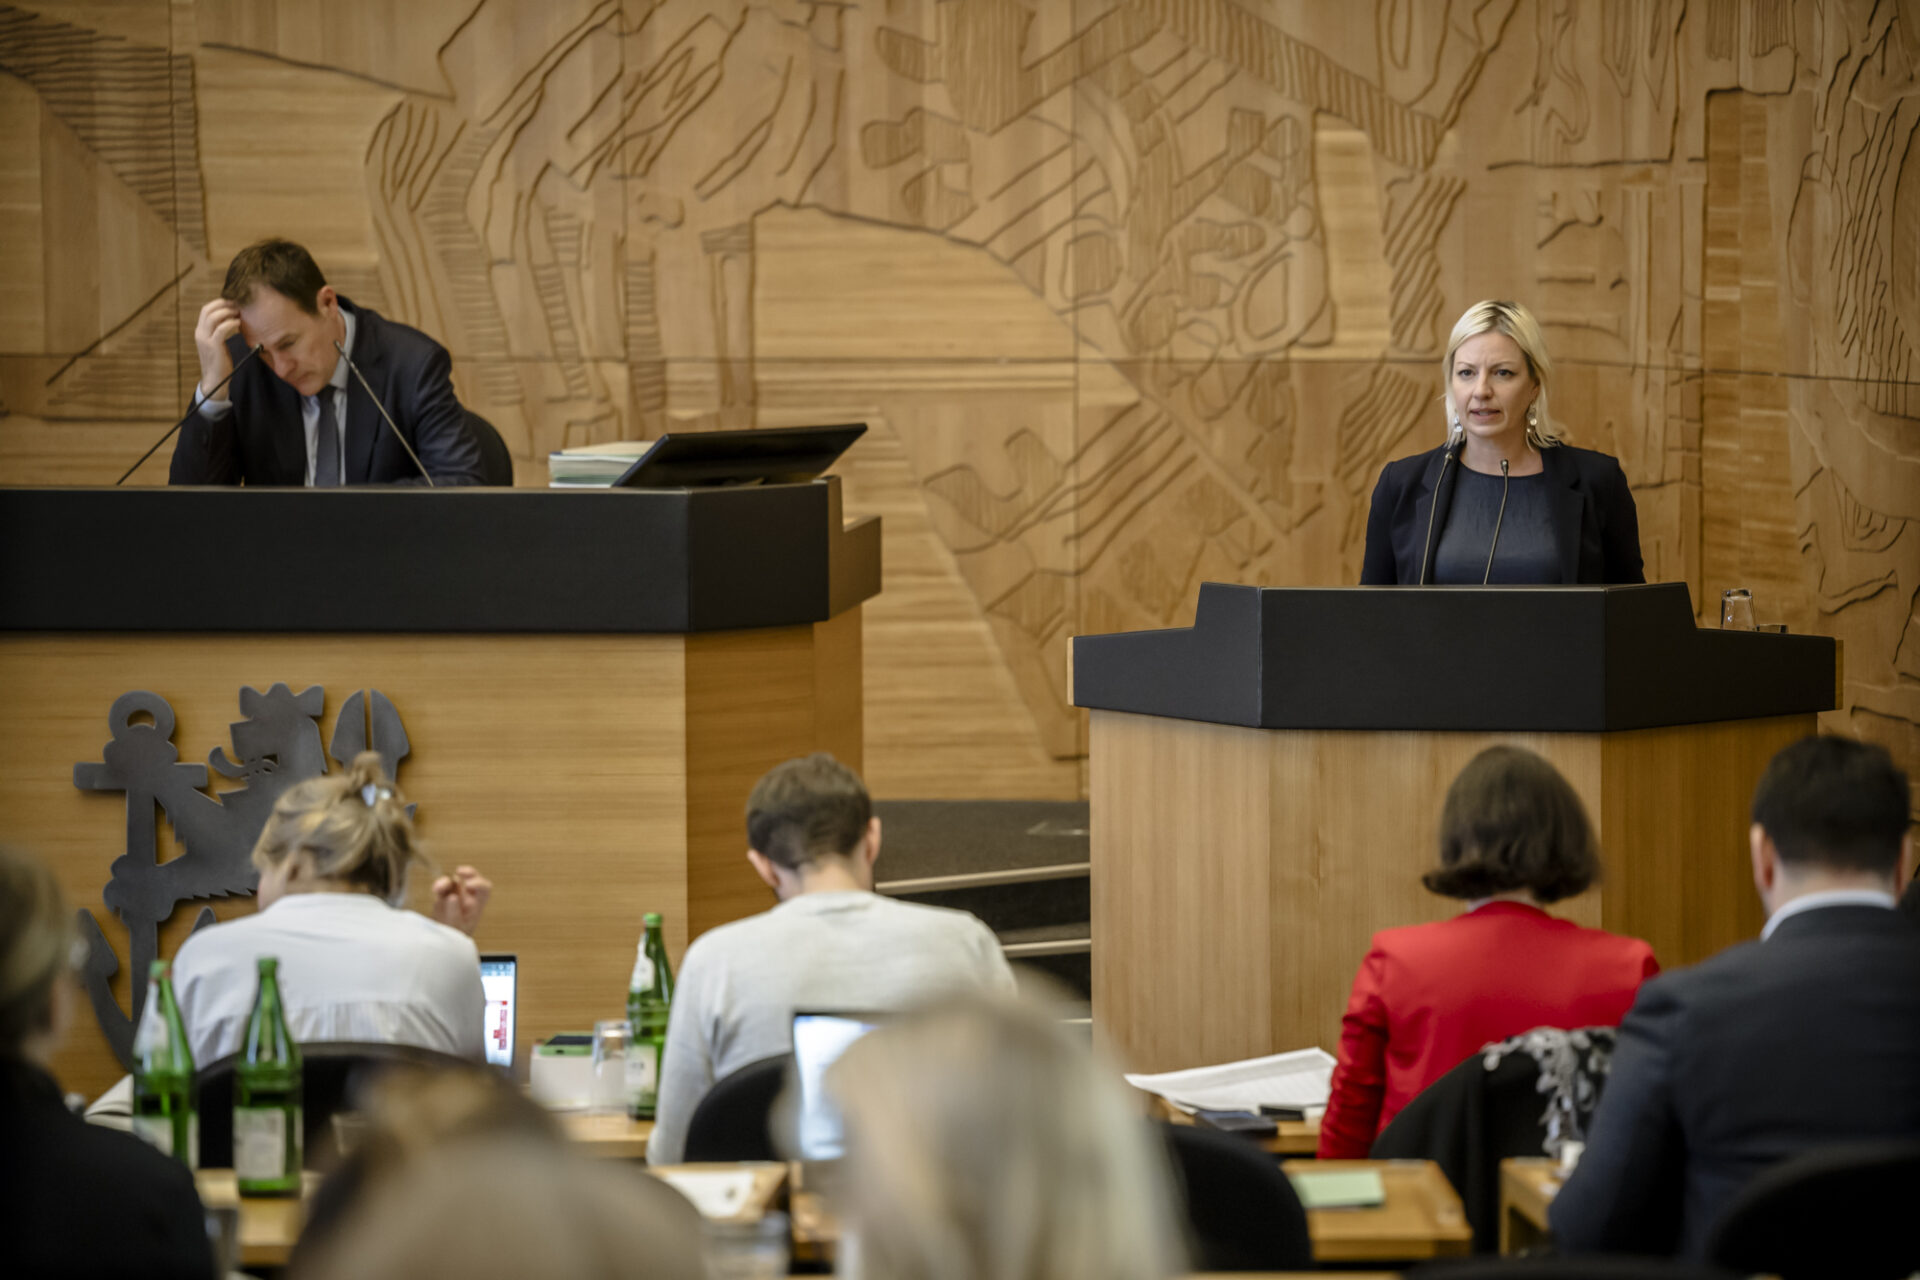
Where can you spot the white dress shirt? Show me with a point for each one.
(352, 968)
(214, 410)
(1826, 898)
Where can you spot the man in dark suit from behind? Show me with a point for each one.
(297, 415)
(1807, 1038)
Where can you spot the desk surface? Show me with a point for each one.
(1291, 1137)
(268, 1226)
(1528, 1185)
(1421, 1218)
(614, 1137)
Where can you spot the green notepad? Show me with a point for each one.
(1340, 1189)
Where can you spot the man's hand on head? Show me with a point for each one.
(219, 320)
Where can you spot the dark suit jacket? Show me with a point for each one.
(261, 441)
(78, 1200)
(1595, 522)
(1767, 1050)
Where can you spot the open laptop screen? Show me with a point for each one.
(818, 1041)
(499, 980)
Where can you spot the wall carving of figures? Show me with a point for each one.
(1137, 293)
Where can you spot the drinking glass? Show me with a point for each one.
(1736, 609)
(611, 1037)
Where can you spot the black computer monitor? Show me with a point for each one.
(776, 455)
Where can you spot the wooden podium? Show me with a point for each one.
(589, 683)
(1266, 785)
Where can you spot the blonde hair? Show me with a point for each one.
(1516, 322)
(352, 826)
(984, 1141)
(36, 940)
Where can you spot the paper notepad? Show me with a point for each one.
(1302, 1079)
(1340, 1189)
(716, 1193)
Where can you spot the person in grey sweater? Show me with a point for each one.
(830, 943)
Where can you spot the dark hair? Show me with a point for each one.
(1512, 822)
(1834, 802)
(806, 808)
(282, 266)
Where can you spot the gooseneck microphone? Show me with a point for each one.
(1446, 460)
(190, 412)
(391, 424)
(1504, 478)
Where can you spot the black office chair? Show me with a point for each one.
(1590, 1268)
(1242, 1213)
(331, 1079)
(731, 1121)
(1472, 1118)
(1836, 1210)
(496, 463)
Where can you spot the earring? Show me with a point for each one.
(1533, 416)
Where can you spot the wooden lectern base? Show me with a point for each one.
(1239, 874)
(592, 777)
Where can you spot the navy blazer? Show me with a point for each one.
(1767, 1050)
(1595, 522)
(261, 441)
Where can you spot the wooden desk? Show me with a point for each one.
(268, 1226)
(613, 1137)
(769, 1182)
(1528, 1185)
(1421, 1218)
(1292, 1137)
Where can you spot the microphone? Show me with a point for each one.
(391, 425)
(1504, 478)
(190, 412)
(1453, 442)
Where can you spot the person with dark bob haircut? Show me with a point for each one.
(1806, 1039)
(1513, 837)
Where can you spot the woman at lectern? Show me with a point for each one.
(1513, 838)
(1504, 499)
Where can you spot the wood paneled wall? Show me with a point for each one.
(1135, 292)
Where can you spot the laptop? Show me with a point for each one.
(819, 1038)
(767, 455)
(499, 983)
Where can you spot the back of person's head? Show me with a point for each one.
(1834, 803)
(351, 827)
(36, 943)
(508, 1206)
(985, 1138)
(282, 266)
(807, 809)
(1511, 822)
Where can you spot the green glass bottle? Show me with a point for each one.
(164, 1112)
(649, 999)
(267, 1129)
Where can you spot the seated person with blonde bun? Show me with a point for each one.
(355, 965)
(1513, 837)
(1562, 515)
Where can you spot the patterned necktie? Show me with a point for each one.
(326, 443)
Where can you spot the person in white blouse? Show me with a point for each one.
(355, 965)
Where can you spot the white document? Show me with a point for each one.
(716, 1193)
(1303, 1078)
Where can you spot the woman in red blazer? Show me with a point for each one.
(1513, 836)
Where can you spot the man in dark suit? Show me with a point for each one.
(297, 415)
(1807, 1038)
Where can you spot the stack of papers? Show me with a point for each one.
(593, 466)
(1303, 1078)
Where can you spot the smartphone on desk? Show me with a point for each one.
(1237, 1122)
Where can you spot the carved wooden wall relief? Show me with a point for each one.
(1137, 292)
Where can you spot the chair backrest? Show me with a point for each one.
(1833, 1210)
(1472, 1118)
(731, 1121)
(496, 462)
(1242, 1213)
(331, 1077)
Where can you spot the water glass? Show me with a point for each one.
(1736, 609)
(761, 1249)
(611, 1036)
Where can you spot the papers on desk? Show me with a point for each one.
(1339, 1189)
(716, 1193)
(593, 466)
(1303, 1079)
